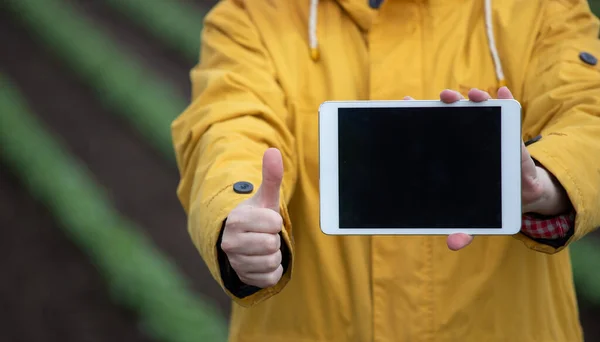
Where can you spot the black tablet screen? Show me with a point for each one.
(420, 167)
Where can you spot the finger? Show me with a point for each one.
(251, 244)
(267, 195)
(408, 98)
(458, 241)
(450, 96)
(532, 187)
(529, 174)
(526, 161)
(505, 94)
(477, 95)
(256, 263)
(524, 152)
(252, 219)
(262, 280)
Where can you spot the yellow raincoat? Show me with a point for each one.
(265, 67)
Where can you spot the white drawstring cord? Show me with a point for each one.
(312, 29)
(489, 26)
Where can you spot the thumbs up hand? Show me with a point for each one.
(251, 234)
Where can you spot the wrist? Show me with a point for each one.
(554, 200)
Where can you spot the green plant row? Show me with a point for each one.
(141, 98)
(137, 275)
(176, 24)
(595, 6)
(585, 257)
(120, 81)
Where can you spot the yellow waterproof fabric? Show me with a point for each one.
(258, 87)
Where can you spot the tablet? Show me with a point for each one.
(420, 167)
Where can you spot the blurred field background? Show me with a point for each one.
(93, 242)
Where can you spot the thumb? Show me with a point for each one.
(267, 195)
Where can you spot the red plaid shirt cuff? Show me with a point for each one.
(554, 227)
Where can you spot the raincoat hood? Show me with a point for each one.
(362, 14)
(358, 10)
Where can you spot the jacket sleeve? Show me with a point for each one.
(561, 101)
(237, 111)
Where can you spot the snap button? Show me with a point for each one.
(375, 4)
(243, 187)
(588, 58)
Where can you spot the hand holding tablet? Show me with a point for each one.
(421, 167)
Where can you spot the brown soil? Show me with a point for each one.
(49, 289)
(140, 183)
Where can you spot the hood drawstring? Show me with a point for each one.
(312, 30)
(489, 26)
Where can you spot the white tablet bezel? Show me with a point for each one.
(510, 161)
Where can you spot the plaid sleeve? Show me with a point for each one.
(555, 227)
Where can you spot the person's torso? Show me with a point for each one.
(401, 288)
